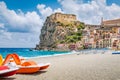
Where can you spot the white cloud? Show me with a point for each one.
(5, 35)
(19, 22)
(1, 25)
(47, 11)
(16, 39)
(58, 10)
(19, 29)
(92, 11)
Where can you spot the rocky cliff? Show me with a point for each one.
(59, 31)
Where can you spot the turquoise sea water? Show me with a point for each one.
(26, 52)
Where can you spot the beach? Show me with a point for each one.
(76, 67)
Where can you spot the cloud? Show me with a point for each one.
(92, 11)
(44, 11)
(16, 39)
(47, 11)
(19, 29)
(19, 22)
(1, 25)
(5, 35)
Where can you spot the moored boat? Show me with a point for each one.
(24, 66)
(116, 52)
(6, 71)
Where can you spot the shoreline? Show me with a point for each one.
(72, 52)
(47, 56)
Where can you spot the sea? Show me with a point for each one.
(31, 53)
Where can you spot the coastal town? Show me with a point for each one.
(58, 25)
(105, 35)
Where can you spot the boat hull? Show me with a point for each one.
(5, 71)
(44, 66)
(8, 74)
(28, 70)
(116, 53)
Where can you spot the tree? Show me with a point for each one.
(81, 26)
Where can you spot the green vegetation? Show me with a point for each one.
(81, 26)
(74, 37)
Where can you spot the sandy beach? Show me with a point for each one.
(76, 67)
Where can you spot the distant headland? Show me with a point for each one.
(63, 32)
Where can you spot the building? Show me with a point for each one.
(115, 22)
(102, 36)
(115, 27)
(64, 18)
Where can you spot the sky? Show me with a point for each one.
(21, 20)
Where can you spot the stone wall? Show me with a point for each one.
(59, 17)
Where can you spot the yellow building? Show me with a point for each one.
(115, 30)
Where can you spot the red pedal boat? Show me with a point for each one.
(5, 71)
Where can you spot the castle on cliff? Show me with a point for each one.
(58, 25)
(64, 18)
